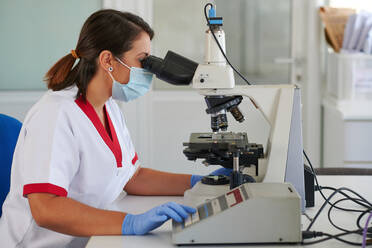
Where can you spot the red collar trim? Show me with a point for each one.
(113, 143)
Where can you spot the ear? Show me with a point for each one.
(106, 60)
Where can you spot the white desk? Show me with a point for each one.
(161, 237)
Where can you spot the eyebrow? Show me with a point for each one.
(147, 54)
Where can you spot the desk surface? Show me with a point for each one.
(161, 237)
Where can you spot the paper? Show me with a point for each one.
(358, 26)
(348, 31)
(364, 33)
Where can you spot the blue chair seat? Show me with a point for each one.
(9, 131)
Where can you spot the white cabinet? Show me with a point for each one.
(347, 133)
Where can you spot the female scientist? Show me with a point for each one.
(74, 154)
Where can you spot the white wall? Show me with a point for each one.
(35, 35)
(17, 103)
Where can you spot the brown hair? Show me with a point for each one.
(107, 29)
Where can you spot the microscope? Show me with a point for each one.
(261, 207)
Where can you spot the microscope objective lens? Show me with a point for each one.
(235, 111)
(215, 123)
(222, 118)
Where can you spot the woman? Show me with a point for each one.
(74, 154)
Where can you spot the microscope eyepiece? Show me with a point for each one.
(152, 63)
(174, 68)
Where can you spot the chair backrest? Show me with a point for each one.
(9, 131)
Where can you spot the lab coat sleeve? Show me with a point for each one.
(50, 153)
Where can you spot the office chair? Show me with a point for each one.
(9, 131)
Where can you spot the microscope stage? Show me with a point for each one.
(219, 149)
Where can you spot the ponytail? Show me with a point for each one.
(57, 75)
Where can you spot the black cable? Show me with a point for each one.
(369, 230)
(219, 46)
(322, 207)
(360, 201)
(360, 218)
(359, 231)
(329, 215)
(320, 188)
(327, 202)
(330, 219)
(369, 204)
(344, 240)
(337, 237)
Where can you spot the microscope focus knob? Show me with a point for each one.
(215, 180)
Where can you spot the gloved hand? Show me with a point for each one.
(220, 171)
(143, 223)
(195, 179)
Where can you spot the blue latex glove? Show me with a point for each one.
(143, 223)
(195, 179)
(220, 171)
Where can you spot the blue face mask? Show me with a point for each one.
(138, 85)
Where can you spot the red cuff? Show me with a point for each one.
(134, 160)
(43, 188)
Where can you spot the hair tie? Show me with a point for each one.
(74, 54)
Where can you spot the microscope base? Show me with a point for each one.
(251, 213)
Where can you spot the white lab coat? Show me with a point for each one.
(63, 149)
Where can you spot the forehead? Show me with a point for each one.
(141, 44)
